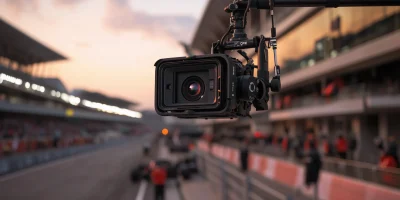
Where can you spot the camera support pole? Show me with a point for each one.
(265, 4)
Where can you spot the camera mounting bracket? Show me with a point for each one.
(238, 10)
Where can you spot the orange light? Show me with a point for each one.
(164, 131)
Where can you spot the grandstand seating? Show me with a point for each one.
(35, 111)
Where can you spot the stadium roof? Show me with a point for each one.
(213, 24)
(53, 83)
(95, 96)
(17, 46)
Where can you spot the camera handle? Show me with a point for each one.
(275, 84)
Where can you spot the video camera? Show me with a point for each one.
(220, 86)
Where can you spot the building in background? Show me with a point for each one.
(339, 72)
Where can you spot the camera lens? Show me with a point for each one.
(193, 88)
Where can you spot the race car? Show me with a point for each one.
(142, 171)
(187, 166)
(192, 164)
(169, 166)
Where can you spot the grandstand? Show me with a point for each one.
(339, 77)
(37, 108)
(19, 55)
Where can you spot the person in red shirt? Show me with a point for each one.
(341, 147)
(388, 161)
(285, 144)
(158, 178)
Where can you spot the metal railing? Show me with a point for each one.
(350, 168)
(363, 171)
(230, 183)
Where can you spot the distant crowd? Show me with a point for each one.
(28, 134)
(342, 147)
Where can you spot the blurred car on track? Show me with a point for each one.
(142, 171)
(169, 166)
(187, 166)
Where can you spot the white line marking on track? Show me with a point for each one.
(142, 190)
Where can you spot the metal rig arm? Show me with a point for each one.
(265, 4)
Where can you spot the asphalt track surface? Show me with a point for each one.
(102, 174)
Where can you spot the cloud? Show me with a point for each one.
(67, 2)
(82, 45)
(19, 6)
(121, 17)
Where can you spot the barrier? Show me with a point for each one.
(230, 183)
(349, 168)
(331, 186)
(22, 161)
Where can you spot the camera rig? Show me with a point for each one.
(220, 86)
(238, 10)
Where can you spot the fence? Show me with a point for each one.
(360, 170)
(22, 161)
(363, 171)
(233, 184)
(277, 173)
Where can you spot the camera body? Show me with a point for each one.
(206, 86)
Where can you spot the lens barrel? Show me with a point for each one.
(193, 88)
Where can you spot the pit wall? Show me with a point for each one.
(331, 186)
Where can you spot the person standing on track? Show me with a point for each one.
(158, 178)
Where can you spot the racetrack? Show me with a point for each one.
(103, 174)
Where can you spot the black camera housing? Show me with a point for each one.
(216, 75)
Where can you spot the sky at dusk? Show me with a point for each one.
(111, 45)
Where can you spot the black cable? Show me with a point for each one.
(226, 34)
(273, 26)
(245, 13)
